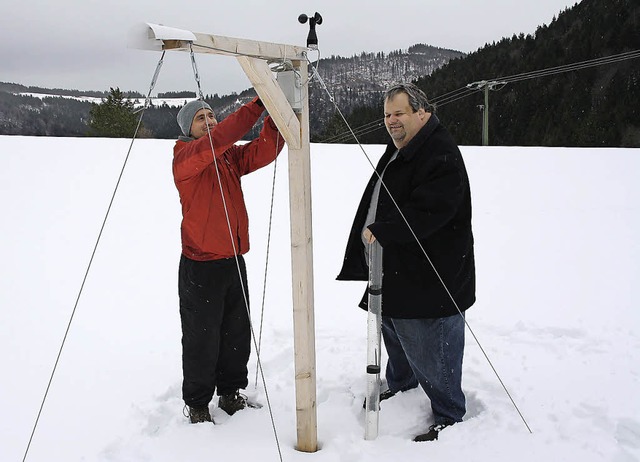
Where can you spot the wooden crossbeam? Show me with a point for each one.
(217, 44)
(150, 36)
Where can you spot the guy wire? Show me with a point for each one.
(93, 254)
(235, 253)
(266, 263)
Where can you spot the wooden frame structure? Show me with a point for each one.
(253, 56)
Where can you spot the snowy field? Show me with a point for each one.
(138, 102)
(558, 259)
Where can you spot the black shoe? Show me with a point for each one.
(198, 414)
(232, 402)
(432, 434)
(384, 395)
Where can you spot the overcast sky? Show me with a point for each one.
(82, 44)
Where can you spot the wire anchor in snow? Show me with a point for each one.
(312, 38)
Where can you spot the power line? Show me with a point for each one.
(571, 67)
(498, 84)
(362, 130)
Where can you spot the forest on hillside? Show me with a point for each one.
(575, 82)
(591, 106)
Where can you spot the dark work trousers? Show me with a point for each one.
(216, 336)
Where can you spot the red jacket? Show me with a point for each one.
(204, 230)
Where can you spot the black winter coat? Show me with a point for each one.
(429, 182)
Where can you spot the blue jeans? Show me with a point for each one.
(428, 352)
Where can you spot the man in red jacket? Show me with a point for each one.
(212, 280)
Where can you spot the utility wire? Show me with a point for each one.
(266, 262)
(363, 129)
(235, 253)
(571, 67)
(452, 97)
(379, 124)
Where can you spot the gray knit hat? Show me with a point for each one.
(188, 112)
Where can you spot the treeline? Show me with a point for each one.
(63, 116)
(595, 106)
(18, 88)
(418, 48)
(48, 116)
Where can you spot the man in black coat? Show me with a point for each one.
(420, 213)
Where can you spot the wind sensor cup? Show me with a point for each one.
(312, 38)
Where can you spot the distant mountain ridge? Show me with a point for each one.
(41, 111)
(361, 79)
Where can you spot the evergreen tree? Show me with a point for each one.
(113, 117)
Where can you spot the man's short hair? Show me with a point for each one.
(417, 98)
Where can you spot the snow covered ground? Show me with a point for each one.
(558, 272)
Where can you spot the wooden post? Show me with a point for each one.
(302, 278)
(294, 128)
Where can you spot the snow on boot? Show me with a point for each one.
(432, 434)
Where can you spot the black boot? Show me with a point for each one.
(198, 414)
(432, 434)
(384, 395)
(232, 402)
